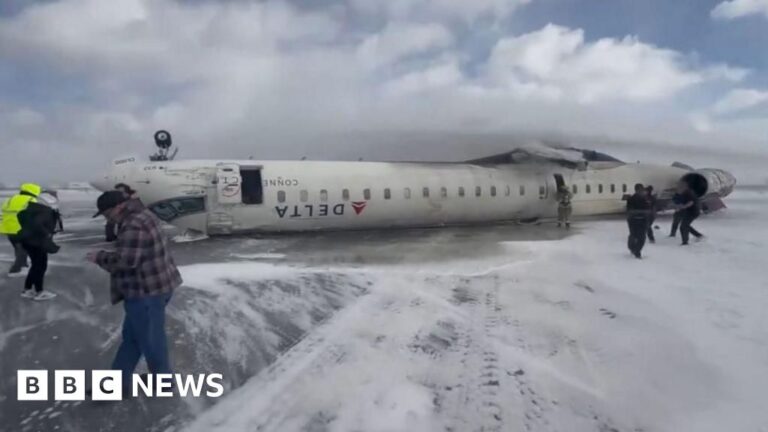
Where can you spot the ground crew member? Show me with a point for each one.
(10, 223)
(564, 208)
(143, 275)
(638, 213)
(652, 216)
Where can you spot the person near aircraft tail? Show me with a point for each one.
(564, 207)
(638, 213)
(10, 226)
(689, 209)
(652, 215)
(110, 229)
(39, 222)
(677, 199)
(143, 276)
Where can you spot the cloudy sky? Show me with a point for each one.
(83, 81)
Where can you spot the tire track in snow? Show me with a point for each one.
(278, 389)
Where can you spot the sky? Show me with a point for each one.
(85, 81)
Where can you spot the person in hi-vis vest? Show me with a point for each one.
(10, 226)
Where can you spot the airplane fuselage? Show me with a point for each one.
(227, 197)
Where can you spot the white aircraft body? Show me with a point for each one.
(219, 197)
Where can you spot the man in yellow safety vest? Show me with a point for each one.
(10, 226)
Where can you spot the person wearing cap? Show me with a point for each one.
(110, 229)
(143, 276)
(39, 222)
(10, 226)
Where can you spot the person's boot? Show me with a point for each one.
(567, 225)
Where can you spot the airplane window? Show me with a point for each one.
(280, 196)
(478, 191)
(588, 188)
(387, 194)
(323, 195)
(493, 191)
(624, 188)
(575, 189)
(613, 188)
(507, 191)
(600, 188)
(425, 192)
(443, 193)
(461, 191)
(522, 190)
(171, 209)
(367, 194)
(303, 196)
(345, 194)
(407, 193)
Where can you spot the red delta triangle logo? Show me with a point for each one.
(359, 206)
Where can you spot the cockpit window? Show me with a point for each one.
(171, 209)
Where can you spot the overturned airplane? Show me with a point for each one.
(219, 197)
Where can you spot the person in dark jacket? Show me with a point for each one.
(110, 229)
(677, 200)
(143, 275)
(638, 213)
(652, 215)
(38, 225)
(689, 209)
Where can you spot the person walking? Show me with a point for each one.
(110, 229)
(10, 226)
(638, 211)
(677, 200)
(690, 209)
(564, 208)
(652, 214)
(38, 225)
(143, 276)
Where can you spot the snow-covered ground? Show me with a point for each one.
(501, 328)
(566, 335)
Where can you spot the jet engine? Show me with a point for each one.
(710, 185)
(709, 181)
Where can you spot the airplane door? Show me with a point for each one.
(559, 181)
(229, 184)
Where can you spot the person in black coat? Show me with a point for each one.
(677, 200)
(652, 215)
(689, 209)
(638, 214)
(39, 221)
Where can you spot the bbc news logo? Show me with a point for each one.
(107, 385)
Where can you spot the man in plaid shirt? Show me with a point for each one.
(143, 276)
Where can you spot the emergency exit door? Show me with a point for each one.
(229, 184)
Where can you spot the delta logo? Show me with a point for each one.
(359, 206)
(318, 211)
